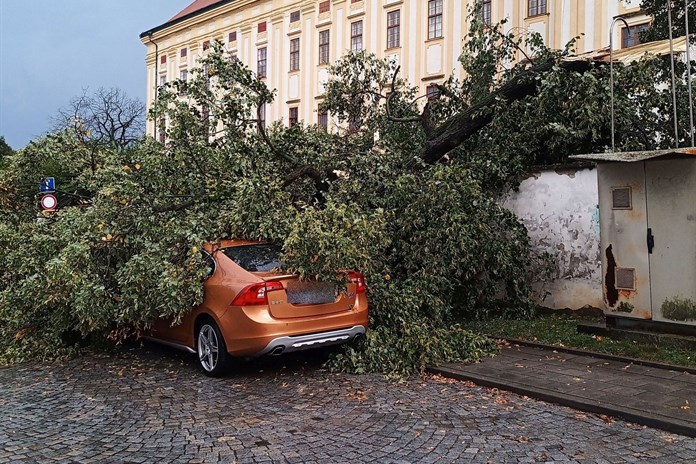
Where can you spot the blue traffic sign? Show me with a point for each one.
(48, 184)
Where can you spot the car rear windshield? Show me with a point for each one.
(262, 257)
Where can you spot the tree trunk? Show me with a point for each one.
(461, 126)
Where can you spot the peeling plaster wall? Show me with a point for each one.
(559, 209)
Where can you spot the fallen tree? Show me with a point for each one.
(406, 192)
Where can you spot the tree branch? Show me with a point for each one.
(179, 207)
(453, 132)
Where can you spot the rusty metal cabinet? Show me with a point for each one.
(647, 206)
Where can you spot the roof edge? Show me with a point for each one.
(184, 18)
(635, 156)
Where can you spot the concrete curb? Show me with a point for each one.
(595, 354)
(595, 407)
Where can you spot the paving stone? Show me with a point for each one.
(152, 405)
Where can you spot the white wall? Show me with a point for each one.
(559, 209)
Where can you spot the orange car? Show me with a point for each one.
(250, 309)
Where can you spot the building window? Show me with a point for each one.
(354, 125)
(432, 92)
(324, 47)
(183, 52)
(162, 128)
(163, 59)
(393, 29)
(261, 62)
(232, 37)
(323, 120)
(434, 19)
(536, 8)
(294, 16)
(206, 45)
(486, 12)
(262, 27)
(163, 79)
(183, 75)
(262, 116)
(630, 37)
(356, 36)
(295, 54)
(325, 6)
(293, 116)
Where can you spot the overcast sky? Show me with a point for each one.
(51, 49)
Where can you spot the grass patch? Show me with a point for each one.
(561, 330)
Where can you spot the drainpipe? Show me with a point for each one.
(149, 37)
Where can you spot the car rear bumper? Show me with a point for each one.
(290, 344)
(252, 331)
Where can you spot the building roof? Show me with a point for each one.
(195, 8)
(634, 156)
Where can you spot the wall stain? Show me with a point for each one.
(611, 292)
(566, 171)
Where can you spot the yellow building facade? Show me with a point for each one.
(292, 42)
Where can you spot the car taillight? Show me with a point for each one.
(359, 281)
(256, 294)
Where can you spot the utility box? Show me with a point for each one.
(647, 210)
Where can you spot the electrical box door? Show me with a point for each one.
(623, 224)
(671, 188)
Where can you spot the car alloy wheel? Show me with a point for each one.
(212, 352)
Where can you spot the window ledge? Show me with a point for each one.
(539, 16)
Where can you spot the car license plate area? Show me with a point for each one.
(304, 293)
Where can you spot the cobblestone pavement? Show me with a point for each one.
(152, 405)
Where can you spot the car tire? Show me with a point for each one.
(211, 349)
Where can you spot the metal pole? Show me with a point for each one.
(611, 73)
(692, 128)
(674, 82)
